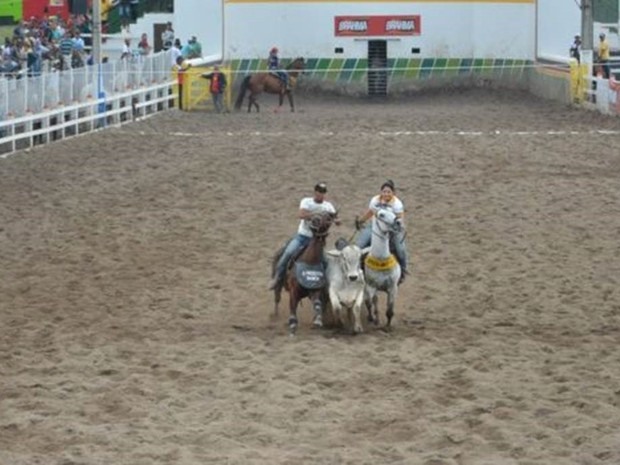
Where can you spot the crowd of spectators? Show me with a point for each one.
(45, 44)
(50, 43)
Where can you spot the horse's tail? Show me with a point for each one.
(244, 87)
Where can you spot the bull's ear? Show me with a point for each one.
(333, 253)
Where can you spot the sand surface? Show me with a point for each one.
(135, 320)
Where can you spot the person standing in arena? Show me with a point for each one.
(308, 207)
(181, 67)
(217, 87)
(385, 199)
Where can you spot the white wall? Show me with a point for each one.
(558, 21)
(468, 29)
(202, 18)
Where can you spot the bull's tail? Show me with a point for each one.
(244, 86)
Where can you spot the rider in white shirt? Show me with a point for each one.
(386, 199)
(308, 207)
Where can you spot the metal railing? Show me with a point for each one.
(29, 95)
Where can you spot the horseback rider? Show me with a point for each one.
(273, 64)
(386, 199)
(308, 207)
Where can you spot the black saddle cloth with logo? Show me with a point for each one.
(310, 276)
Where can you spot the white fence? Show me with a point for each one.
(53, 106)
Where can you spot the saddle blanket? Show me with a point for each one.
(310, 276)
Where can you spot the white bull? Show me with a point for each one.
(346, 284)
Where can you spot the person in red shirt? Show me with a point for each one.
(217, 86)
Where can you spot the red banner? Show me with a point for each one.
(366, 26)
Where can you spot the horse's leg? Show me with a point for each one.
(277, 294)
(293, 302)
(375, 309)
(317, 304)
(368, 296)
(250, 101)
(290, 100)
(391, 299)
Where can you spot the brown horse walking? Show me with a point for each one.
(272, 84)
(306, 277)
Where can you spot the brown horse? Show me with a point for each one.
(305, 275)
(272, 84)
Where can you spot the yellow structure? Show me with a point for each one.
(196, 95)
(578, 81)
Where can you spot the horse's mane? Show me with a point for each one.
(296, 60)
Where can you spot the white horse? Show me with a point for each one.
(382, 270)
(346, 284)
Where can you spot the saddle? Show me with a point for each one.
(281, 77)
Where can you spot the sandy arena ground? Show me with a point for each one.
(136, 322)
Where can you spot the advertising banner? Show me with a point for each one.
(372, 26)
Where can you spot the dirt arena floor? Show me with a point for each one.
(135, 317)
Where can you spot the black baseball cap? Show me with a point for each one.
(321, 187)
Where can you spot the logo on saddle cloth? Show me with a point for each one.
(380, 265)
(310, 276)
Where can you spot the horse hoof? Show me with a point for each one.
(318, 321)
(292, 325)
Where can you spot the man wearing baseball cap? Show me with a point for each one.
(308, 207)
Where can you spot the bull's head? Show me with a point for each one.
(349, 261)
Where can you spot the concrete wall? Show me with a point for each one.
(550, 83)
(464, 29)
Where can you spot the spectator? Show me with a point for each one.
(575, 49)
(78, 46)
(217, 87)
(106, 6)
(134, 8)
(143, 46)
(167, 37)
(193, 49)
(124, 11)
(126, 53)
(66, 50)
(175, 52)
(603, 55)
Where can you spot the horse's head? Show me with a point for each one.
(320, 223)
(386, 221)
(298, 64)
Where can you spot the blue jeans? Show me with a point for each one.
(218, 102)
(284, 77)
(295, 244)
(397, 244)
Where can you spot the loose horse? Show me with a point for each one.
(382, 270)
(272, 84)
(306, 276)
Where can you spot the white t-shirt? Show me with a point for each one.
(310, 205)
(174, 54)
(395, 204)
